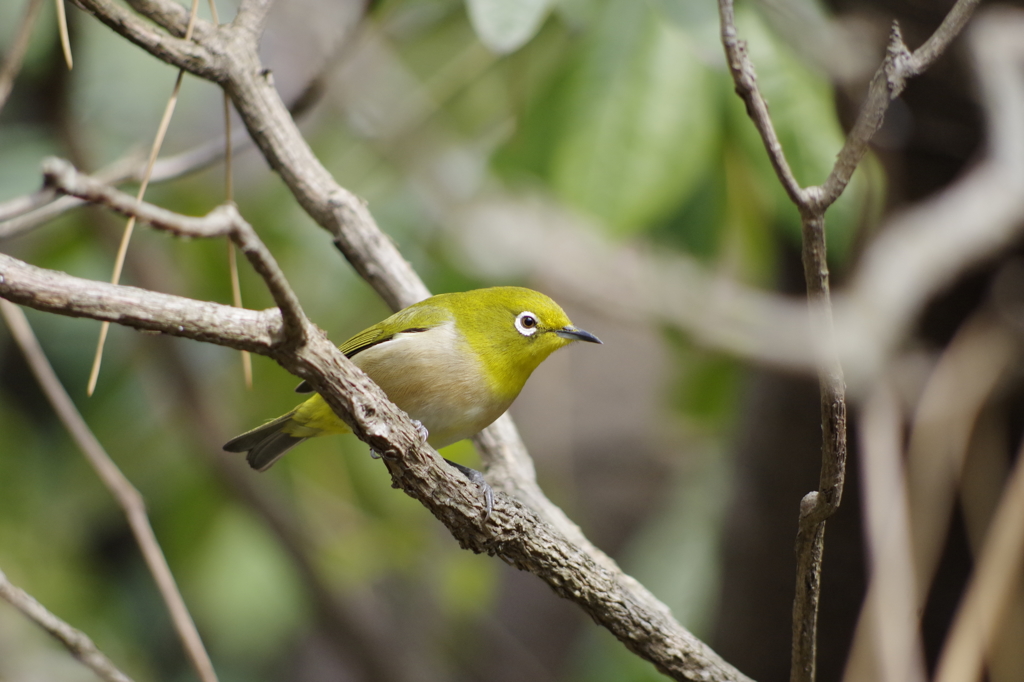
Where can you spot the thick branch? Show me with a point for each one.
(518, 536)
(229, 57)
(513, 532)
(60, 293)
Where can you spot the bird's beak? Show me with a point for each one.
(574, 334)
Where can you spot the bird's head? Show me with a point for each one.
(512, 330)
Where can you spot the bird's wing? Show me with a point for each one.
(415, 318)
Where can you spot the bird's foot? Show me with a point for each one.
(421, 429)
(389, 456)
(478, 478)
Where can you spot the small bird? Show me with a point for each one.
(454, 363)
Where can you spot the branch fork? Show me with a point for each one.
(517, 534)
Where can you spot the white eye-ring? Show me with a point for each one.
(526, 323)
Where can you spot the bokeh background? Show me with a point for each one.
(615, 126)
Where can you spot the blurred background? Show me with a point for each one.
(490, 157)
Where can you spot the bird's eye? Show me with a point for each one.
(526, 323)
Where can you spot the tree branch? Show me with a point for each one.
(76, 641)
(513, 532)
(120, 487)
(224, 221)
(189, 55)
(886, 85)
(812, 203)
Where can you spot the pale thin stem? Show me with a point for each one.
(229, 196)
(62, 27)
(894, 611)
(996, 575)
(74, 640)
(120, 487)
(122, 250)
(16, 53)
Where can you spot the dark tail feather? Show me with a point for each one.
(265, 444)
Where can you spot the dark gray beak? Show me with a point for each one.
(574, 334)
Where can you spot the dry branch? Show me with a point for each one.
(76, 641)
(228, 55)
(120, 488)
(812, 202)
(514, 533)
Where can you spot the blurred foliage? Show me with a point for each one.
(620, 110)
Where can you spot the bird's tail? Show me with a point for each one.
(265, 444)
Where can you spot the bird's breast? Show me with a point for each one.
(435, 378)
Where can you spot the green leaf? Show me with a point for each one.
(506, 25)
(639, 125)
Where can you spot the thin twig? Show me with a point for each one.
(62, 27)
(76, 641)
(996, 575)
(223, 221)
(816, 506)
(122, 249)
(229, 197)
(886, 85)
(16, 53)
(924, 249)
(812, 203)
(120, 487)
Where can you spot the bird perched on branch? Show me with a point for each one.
(454, 363)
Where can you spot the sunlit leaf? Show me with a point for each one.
(638, 127)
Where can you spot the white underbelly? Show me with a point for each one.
(435, 379)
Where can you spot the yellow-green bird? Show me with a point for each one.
(454, 362)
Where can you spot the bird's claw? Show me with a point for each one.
(421, 429)
(478, 478)
(389, 456)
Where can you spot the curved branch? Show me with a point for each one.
(228, 56)
(513, 532)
